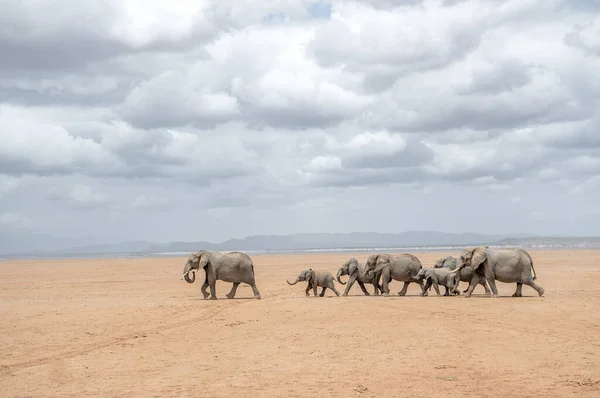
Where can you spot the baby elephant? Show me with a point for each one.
(322, 279)
(437, 276)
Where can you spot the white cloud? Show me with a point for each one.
(234, 115)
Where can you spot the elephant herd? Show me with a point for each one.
(479, 265)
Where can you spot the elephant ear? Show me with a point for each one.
(310, 276)
(204, 260)
(382, 261)
(479, 257)
(352, 266)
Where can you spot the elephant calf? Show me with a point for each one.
(465, 274)
(438, 276)
(316, 279)
(354, 270)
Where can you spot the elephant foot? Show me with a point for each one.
(541, 291)
(424, 294)
(213, 298)
(257, 297)
(401, 293)
(205, 295)
(386, 295)
(516, 295)
(229, 295)
(467, 294)
(367, 294)
(345, 294)
(495, 296)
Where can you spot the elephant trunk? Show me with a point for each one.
(186, 273)
(292, 284)
(187, 277)
(339, 274)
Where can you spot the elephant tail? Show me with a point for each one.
(532, 269)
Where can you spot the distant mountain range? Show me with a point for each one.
(295, 242)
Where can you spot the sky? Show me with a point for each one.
(209, 120)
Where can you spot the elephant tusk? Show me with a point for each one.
(185, 274)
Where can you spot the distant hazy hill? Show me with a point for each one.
(329, 241)
(552, 242)
(43, 245)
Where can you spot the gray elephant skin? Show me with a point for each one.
(465, 274)
(354, 270)
(315, 279)
(436, 277)
(235, 267)
(508, 265)
(403, 267)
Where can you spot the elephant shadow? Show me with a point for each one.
(221, 299)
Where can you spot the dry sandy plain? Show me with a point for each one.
(131, 327)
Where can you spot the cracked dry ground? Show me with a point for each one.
(131, 327)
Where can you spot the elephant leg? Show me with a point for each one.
(427, 287)
(213, 290)
(491, 280)
(322, 292)
(349, 285)
(255, 291)
(314, 285)
(456, 282)
(518, 292)
(385, 279)
(447, 293)
(404, 289)
(485, 286)
(308, 287)
(231, 294)
(420, 283)
(535, 286)
(436, 287)
(378, 286)
(474, 281)
(363, 288)
(205, 286)
(332, 287)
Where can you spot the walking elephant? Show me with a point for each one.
(436, 277)
(403, 267)
(508, 265)
(235, 267)
(354, 270)
(316, 279)
(465, 274)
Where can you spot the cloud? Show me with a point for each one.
(230, 118)
(151, 203)
(15, 219)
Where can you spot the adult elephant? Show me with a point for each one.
(235, 267)
(508, 265)
(354, 270)
(465, 274)
(403, 267)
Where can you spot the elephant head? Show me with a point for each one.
(349, 267)
(195, 261)
(424, 273)
(306, 275)
(449, 262)
(376, 262)
(472, 257)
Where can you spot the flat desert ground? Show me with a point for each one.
(132, 327)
